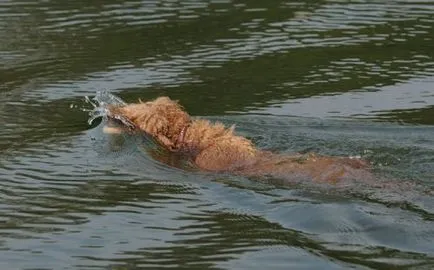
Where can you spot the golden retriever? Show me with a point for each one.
(215, 148)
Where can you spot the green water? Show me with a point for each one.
(348, 78)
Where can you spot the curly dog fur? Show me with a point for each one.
(213, 147)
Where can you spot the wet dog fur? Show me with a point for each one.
(215, 148)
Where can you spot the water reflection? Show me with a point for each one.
(366, 103)
(332, 49)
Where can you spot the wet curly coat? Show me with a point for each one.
(213, 147)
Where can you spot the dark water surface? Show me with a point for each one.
(351, 78)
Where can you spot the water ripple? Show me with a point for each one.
(324, 26)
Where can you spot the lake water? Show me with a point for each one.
(348, 78)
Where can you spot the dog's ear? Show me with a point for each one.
(158, 126)
(166, 142)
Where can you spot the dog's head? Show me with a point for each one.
(162, 118)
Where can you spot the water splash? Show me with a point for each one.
(100, 104)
